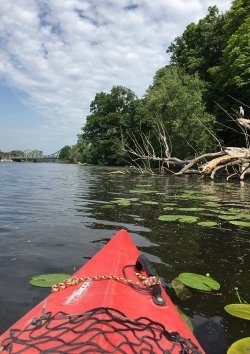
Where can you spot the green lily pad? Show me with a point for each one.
(207, 223)
(191, 209)
(229, 211)
(107, 206)
(125, 199)
(213, 204)
(142, 191)
(180, 218)
(168, 208)
(198, 281)
(234, 210)
(241, 346)
(48, 280)
(169, 217)
(222, 212)
(122, 201)
(245, 216)
(196, 196)
(228, 217)
(188, 219)
(239, 310)
(218, 211)
(150, 202)
(240, 223)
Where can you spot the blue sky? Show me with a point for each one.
(56, 55)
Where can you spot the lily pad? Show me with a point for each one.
(48, 280)
(240, 223)
(180, 218)
(222, 212)
(207, 223)
(228, 217)
(142, 191)
(122, 201)
(230, 211)
(150, 202)
(188, 219)
(198, 281)
(196, 196)
(239, 310)
(169, 217)
(213, 204)
(241, 346)
(235, 210)
(168, 208)
(107, 206)
(245, 216)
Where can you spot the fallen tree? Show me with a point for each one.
(233, 162)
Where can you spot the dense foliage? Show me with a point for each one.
(119, 119)
(176, 98)
(209, 64)
(200, 46)
(217, 48)
(110, 121)
(35, 154)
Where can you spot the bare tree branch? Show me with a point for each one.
(234, 161)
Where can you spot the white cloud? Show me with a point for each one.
(61, 53)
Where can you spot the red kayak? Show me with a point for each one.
(113, 304)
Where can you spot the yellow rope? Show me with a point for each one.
(144, 283)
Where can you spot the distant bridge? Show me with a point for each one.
(36, 156)
(52, 157)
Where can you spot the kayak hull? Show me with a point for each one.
(116, 258)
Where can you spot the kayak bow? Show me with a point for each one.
(113, 304)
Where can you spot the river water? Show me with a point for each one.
(54, 217)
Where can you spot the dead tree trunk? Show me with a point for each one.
(232, 161)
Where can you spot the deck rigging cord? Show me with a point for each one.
(143, 283)
(99, 330)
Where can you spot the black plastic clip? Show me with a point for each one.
(143, 263)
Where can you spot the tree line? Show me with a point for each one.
(191, 106)
(21, 154)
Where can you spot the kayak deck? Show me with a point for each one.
(99, 315)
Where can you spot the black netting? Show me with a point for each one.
(100, 330)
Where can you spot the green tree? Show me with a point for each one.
(17, 153)
(232, 76)
(110, 120)
(65, 153)
(200, 46)
(176, 99)
(218, 49)
(233, 73)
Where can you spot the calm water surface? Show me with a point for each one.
(54, 217)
